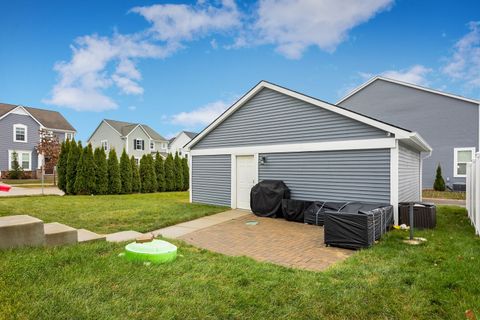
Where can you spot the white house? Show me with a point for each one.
(137, 139)
(177, 144)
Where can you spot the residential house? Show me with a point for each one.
(137, 139)
(20, 133)
(450, 123)
(177, 143)
(321, 151)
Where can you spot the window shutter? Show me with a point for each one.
(143, 144)
(134, 144)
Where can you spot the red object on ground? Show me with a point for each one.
(5, 187)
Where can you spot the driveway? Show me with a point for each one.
(277, 241)
(18, 191)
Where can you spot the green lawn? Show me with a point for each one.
(427, 193)
(438, 280)
(106, 214)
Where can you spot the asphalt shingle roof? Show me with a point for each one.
(124, 128)
(48, 118)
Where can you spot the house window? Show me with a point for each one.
(19, 133)
(137, 161)
(105, 145)
(152, 145)
(461, 157)
(69, 136)
(24, 159)
(138, 144)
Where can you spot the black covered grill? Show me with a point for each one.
(266, 198)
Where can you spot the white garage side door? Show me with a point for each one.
(245, 180)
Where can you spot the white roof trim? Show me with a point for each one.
(96, 129)
(406, 84)
(399, 133)
(139, 125)
(24, 110)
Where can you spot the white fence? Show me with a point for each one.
(473, 192)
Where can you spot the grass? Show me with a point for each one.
(107, 214)
(437, 280)
(443, 194)
(27, 183)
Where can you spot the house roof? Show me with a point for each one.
(124, 128)
(47, 118)
(190, 134)
(406, 84)
(399, 133)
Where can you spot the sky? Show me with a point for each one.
(176, 65)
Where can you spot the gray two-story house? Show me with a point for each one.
(450, 123)
(20, 133)
(137, 139)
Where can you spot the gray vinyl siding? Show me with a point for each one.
(211, 179)
(105, 132)
(355, 175)
(7, 143)
(445, 123)
(408, 174)
(271, 117)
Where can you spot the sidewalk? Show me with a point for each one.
(18, 191)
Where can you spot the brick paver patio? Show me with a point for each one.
(277, 241)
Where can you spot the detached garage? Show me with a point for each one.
(321, 151)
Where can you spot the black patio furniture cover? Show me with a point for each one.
(266, 198)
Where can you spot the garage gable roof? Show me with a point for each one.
(399, 133)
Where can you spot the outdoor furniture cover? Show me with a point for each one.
(357, 225)
(424, 214)
(293, 210)
(266, 198)
(315, 213)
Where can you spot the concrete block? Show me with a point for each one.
(57, 234)
(88, 236)
(20, 231)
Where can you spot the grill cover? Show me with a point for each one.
(266, 198)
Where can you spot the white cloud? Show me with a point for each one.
(102, 63)
(294, 25)
(201, 116)
(132, 108)
(176, 23)
(416, 74)
(464, 64)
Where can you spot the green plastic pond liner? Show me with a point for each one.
(156, 251)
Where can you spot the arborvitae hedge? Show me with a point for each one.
(72, 162)
(439, 184)
(169, 173)
(136, 183)
(114, 181)
(147, 174)
(160, 171)
(125, 173)
(62, 166)
(101, 171)
(186, 174)
(85, 178)
(178, 169)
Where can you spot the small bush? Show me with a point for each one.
(62, 166)
(85, 178)
(439, 184)
(17, 171)
(72, 162)
(178, 169)
(147, 174)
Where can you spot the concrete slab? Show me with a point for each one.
(123, 236)
(184, 228)
(19, 191)
(85, 235)
(21, 230)
(57, 234)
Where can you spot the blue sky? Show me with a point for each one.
(175, 65)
